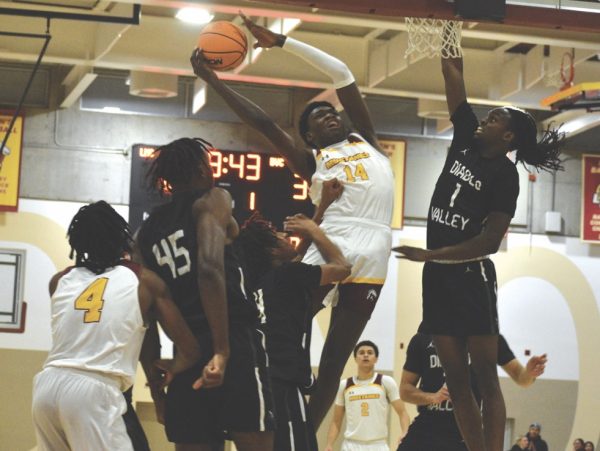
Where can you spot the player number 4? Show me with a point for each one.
(92, 300)
(455, 194)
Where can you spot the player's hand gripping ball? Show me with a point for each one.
(223, 44)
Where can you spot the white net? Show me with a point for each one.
(434, 37)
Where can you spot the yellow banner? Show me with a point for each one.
(397, 152)
(10, 162)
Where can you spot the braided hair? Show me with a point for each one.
(255, 244)
(98, 236)
(177, 163)
(303, 121)
(542, 155)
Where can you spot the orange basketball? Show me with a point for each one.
(223, 44)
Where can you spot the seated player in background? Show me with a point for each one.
(423, 383)
(283, 289)
(100, 311)
(365, 400)
(188, 243)
(359, 222)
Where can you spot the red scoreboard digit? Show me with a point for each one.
(256, 181)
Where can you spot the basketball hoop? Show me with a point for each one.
(434, 37)
(567, 75)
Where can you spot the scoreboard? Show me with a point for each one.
(256, 181)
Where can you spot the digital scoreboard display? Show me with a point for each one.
(256, 181)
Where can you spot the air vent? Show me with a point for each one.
(151, 85)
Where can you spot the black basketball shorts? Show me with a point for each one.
(242, 404)
(427, 434)
(460, 299)
(295, 431)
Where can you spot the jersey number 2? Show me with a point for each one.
(91, 300)
(364, 409)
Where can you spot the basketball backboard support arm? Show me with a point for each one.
(517, 15)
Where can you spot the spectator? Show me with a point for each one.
(589, 446)
(578, 444)
(535, 439)
(521, 443)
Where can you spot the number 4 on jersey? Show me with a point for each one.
(91, 300)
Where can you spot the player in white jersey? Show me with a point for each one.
(358, 222)
(101, 308)
(364, 400)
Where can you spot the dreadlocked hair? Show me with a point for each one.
(303, 121)
(176, 163)
(543, 155)
(255, 244)
(98, 236)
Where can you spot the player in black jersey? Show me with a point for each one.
(188, 243)
(471, 208)
(283, 289)
(435, 427)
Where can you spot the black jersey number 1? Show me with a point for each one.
(455, 194)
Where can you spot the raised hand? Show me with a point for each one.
(200, 66)
(265, 38)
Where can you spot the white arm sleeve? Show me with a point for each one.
(334, 68)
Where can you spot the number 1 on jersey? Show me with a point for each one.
(455, 194)
(91, 300)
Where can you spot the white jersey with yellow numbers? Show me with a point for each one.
(366, 403)
(359, 221)
(97, 323)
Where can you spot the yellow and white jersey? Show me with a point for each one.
(97, 323)
(366, 403)
(367, 177)
(359, 221)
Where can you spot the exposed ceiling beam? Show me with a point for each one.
(524, 16)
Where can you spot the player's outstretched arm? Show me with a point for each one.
(486, 243)
(526, 375)
(456, 93)
(336, 70)
(212, 216)
(335, 426)
(330, 192)
(298, 159)
(336, 267)
(153, 289)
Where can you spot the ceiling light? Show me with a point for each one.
(197, 16)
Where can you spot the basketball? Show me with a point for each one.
(223, 44)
